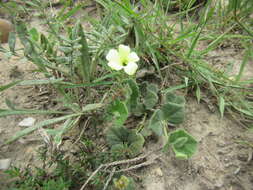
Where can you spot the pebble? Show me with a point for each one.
(27, 122)
(5, 28)
(5, 164)
(158, 172)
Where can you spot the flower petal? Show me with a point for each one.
(133, 57)
(115, 65)
(113, 55)
(124, 51)
(131, 68)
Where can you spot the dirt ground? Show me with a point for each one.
(21, 152)
(221, 163)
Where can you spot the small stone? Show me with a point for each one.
(27, 122)
(158, 172)
(5, 164)
(5, 28)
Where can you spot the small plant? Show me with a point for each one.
(172, 111)
(125, 141)
(25, 180)
(124, 183)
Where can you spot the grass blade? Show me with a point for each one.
(4, 87)
(4, 112)
(39, 125)
(221, 106)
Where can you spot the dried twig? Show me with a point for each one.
(105, 166)
(127, 161)
(110, 178)
(112, 164)
(147, 163)
(92, 175)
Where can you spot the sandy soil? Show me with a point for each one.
(22, 151)
(220, 163)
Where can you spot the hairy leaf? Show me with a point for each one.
(150, 98)
(157, 123)
(119, 111)
(174, 108)
(125, 140)
(133, 96)
(183, 144)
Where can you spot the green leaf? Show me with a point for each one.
(119, 111)
(117, 135)
(154, 58)
(250, 129)
(244, 111)
(84, 67)
(120, 149)
(173, 98)
(180, 142)
(125, 140)
(221, 106)
(173, 88)
(157, 122)
(137, 142)
(29, 49)
(139, 109)
(12, 41)
(65, 127)
(4, 87)
(31, 82)
(133, 94)
(41, 81)
(183, 144)
(174, 109)
(198, 94)
(10, 104)
(173, 113)
(70, 13)
(44, 42)
(34, 34)
(151, 98)
(71, 85)
(4, 112)
(92, 107)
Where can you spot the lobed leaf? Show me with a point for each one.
(151, 98)
(125, 140)
(157, 122)
(174, 108)
(183, 144)
(133, 96)
(119, 111)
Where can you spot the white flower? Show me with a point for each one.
(123, 59)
